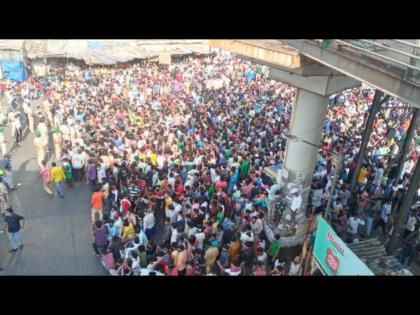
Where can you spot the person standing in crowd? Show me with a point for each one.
(4, 197)
(17, 129)
(384, 217)
(45, 173)
(353, 225)
(97, 204)
(13, 225)
(8, 170)
(57, 176)
(39, 145)
(2, 141)
(68, 173)
(91, 174)
(100, 239)
(57, 141)
(191, 142)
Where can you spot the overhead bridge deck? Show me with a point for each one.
(392, 66)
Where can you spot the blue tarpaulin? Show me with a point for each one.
(13, 70)
(96, 45)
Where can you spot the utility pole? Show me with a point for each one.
(407, 142)
(338, 161)
(405, 208)
(376, 105)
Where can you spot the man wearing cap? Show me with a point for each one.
(57, 143)
(42, 127)
(2, 141)
(39, 143)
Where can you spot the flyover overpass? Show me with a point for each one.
(318, 69)
(392, 66)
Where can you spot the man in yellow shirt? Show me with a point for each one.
(361, 179)
(153, 158)
(57, 176)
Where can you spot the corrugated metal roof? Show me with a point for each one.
(372, 252)
(15, 44)
(107, 51)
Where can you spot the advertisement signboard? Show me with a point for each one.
(333, 255)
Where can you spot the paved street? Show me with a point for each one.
(58, 233)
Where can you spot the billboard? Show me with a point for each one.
(333, 255)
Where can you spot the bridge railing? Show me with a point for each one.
(377, 50)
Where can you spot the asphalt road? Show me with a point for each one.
(58, 231)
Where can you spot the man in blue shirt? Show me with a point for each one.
(233, 180)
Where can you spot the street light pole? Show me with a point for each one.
(334, 184)
(374, 109)
(406, 146)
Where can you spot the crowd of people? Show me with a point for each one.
(178, 150)
(379, 189)
(175, 156)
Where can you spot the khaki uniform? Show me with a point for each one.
(58, 144)
(4, 200)
(73, 135)
(39, 144)
(44, 130)
(2, 144)
(56, 122)
(2, 116)
(30, 119)
(11, 119)
(65, 133)
(47, 110)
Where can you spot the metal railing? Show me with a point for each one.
(376, 54)
(374, 49)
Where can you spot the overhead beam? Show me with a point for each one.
(267, 51)
(352, 67)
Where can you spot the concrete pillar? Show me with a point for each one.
(309, 112)
(307, 119)
(306, 123)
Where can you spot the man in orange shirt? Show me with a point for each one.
(97, 204)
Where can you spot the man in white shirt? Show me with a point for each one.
(200, 236)
(352, 226)
(174, 234)
(385, 214)
(296, 200)
(411, 223)
(77, 162)
(149, 224)
(256, 225)
(171, 180)
(247, 237)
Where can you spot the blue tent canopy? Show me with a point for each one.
(13, 70)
